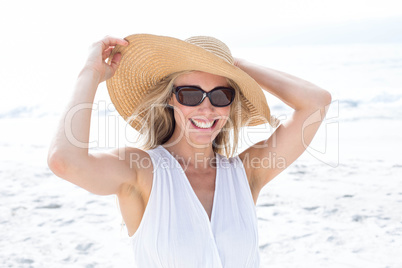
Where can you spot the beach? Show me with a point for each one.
(311, 215)
(338, 205)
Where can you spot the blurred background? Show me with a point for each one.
(339, 205)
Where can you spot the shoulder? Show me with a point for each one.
(137, 157)
(234, 162)
(243, 158)
(246, 158)
(242, 161)
(139, 161)
(134, 158)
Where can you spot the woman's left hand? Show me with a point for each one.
(237, 62)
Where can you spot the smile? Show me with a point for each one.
(203, 124)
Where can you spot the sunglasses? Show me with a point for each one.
(193, 96)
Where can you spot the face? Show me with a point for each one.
(194, 121)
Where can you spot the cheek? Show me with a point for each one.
(181, 114)
(224, 114)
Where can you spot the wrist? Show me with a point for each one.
(91, 73)
(239, 62)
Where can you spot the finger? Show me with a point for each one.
(115, 61)
(107, 53)
(109, 41)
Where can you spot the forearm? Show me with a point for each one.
(72, 135)
(295, 92)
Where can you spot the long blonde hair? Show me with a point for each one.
(158, 123)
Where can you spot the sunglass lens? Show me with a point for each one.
(222, 97)
(189, 96)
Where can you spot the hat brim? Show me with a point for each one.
(150, 58)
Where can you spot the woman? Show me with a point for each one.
(186, 200)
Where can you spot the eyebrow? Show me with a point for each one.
(197, 86)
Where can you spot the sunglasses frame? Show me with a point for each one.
(205, 94)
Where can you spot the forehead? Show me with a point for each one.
(204, 80)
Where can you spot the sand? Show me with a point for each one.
(322, 211)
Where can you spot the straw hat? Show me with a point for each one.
(149, 58)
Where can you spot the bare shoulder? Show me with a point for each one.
(140, 162)
(245, 157)
(134, 196)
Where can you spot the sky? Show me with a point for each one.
(259, 20)
(45, 43)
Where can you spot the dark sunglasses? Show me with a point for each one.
(193, 96)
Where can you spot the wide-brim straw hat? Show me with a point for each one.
(150, 58)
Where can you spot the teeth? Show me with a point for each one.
(202, 124)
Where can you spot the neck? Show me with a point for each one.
(191, 155)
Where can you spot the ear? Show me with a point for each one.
(170, 103)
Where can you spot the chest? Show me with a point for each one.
(174, 221)
(203, 185)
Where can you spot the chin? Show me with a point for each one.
(201, 139)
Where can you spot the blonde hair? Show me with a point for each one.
(157, 121)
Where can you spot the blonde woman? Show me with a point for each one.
(185, 196)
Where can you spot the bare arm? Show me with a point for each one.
(293, 136)
(295, 92)
(68, 155)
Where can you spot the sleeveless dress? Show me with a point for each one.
(175, 230)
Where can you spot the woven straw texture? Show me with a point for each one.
(149, 58)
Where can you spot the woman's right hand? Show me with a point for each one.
(99, 52)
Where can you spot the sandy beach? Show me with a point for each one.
(314, 214)
(338, 205)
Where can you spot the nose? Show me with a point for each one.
(206, 104)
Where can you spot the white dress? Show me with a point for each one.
(175, 230)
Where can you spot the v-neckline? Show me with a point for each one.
(192, 190)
